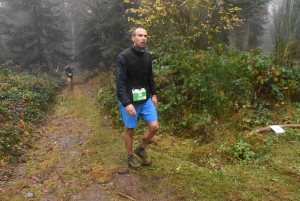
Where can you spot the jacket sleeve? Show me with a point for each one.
(121, 76)
(151, 83)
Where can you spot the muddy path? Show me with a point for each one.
(76, 156)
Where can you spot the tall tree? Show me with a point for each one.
(285, 30)
(34, 32)
(254, 14)
(105, 32)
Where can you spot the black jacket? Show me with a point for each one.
(134, 70)
(69, 69)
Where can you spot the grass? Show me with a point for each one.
(186, 168)
(201, 172)
(233, 180)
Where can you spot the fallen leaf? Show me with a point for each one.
(284, 192)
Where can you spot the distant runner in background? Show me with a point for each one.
(69, 72)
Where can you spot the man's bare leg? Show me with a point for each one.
(70, 83)
(149, 133)
(128, 144)
(128, 140)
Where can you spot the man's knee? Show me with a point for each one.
(153, 126)
(129, 132)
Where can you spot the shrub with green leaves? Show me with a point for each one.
(107, 98)
(242, 151)
(24, 100)
(239, 150)
(221, 84)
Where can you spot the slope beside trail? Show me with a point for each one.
(76, 156)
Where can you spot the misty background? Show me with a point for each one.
(44, 35)
(266, 41)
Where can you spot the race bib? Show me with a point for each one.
(139, 94)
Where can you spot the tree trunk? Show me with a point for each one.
(268, 128)
(232, 38)
(245, 44)
(36, 23)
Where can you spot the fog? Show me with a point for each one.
(21, 19)
(266, 42)
(82, 33)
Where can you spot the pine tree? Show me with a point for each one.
(105, 32)
(34, 32)
(254, 14)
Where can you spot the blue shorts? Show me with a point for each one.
(145, 110)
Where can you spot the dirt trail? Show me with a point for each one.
(70, 159)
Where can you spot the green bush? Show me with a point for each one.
(107, 98)
(221, 84)
(24, 100)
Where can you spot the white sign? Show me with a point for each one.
(277, 129)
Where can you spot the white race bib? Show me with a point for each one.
(139, 94)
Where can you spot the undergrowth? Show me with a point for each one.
(24, 100)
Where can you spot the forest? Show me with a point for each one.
(218, 85)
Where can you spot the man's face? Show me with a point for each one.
(140, 38)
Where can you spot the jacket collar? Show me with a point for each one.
(137, 49)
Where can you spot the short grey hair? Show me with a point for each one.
(133, 32)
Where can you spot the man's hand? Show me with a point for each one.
(154, 100)
(130, 110)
